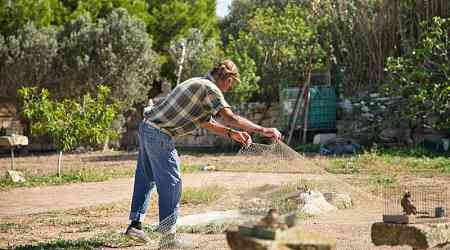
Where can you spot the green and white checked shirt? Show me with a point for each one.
(191, 103)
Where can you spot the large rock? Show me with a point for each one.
(315, 203)
(418, 236)
(293, 238)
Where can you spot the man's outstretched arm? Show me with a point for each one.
(237, 121)
(217, 128)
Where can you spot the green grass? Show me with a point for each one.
(109, 239)
(80, 175)
(392, 160)
(71, 176)
(4, 227)
(202, 195)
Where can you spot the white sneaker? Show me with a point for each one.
(137, 234)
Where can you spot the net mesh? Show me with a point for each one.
(255, 199)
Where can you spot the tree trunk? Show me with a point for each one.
(59, 163)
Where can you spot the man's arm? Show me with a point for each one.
(240, 122)
(217, 128)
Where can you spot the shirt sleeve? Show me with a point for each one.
(215, 100)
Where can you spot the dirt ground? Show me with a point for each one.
(83, 210)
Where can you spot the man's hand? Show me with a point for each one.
(271, 133)
(241, 137)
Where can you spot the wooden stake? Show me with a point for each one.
(59, 163)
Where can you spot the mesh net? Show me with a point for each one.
(350, 226)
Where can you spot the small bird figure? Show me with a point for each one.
(407, 204)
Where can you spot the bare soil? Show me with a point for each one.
(84, 210)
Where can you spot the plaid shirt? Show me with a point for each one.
(191, 103)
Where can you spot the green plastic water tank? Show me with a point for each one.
(322, 107)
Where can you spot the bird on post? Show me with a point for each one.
(407, 204)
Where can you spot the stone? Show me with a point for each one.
(209, 168)
(315, 203)
(293, 238)
(16, 176)
(210, 217)
(13, 140)
(417, 236)
(341, 201)
(322, 138)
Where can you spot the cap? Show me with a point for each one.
(230, 69)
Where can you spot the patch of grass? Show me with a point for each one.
(82, 244)
(4, 227)
(90, 174)
(344, 165)
(108, 239)
(202, 195)
(392, 160)
(210, 228)
(75, 176)
(383, 180)
(190, 168)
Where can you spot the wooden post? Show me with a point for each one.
(12, 158)
(305, 117)
(303, 95)
(59, 164)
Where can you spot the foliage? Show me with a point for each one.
(173, 21)
(27, 58)
(16, 14)
(248, 87)
(69, 123)
(422, 78)
(365, 33)
(115, 52)
(200, 54)
(278, 40)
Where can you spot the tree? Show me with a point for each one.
(27, 58)
(200, 54)
(70, 124)
(422, 78)
(15, 14)
(172, 21)
(278, 39)
(248, 87)
(115, 51)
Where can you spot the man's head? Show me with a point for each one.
(225, 74)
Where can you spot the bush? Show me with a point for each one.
(421, 78)
(71, 61)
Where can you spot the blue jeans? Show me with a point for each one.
(158, 164)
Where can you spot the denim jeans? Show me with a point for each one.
(158, 165)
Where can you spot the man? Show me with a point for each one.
(190, 105)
